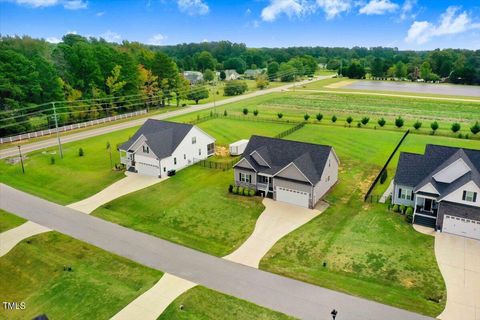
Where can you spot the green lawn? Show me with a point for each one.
(227, 131)
(9, 221)
(99, 285)
(192, 208)
(203, 303)
(72, 178)
(368, 251)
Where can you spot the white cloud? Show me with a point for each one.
(71, 32)
(67, 4)
(53, 40)
(451, 22)
(248, 12)
(298, 8)
(334, 8)
(407, 8)
(157, 39)
(75, 4)
(100, 14)
(291, 8)
(378, 7)
(111, 36)
(193, 7)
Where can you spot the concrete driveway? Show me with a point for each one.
(131, 183)
(276, 221)
(459, 262)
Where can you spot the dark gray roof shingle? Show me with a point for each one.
(163, 137)
(308, 157)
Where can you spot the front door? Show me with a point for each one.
(428, 205)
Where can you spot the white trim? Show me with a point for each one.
(255, 151)
(247, 162)
(425, 215)
(447, 168)
(214, 140)
(461, 187)
(288, 165)
(427, 188)
(145, 142)
(425, 197)
(335, 154)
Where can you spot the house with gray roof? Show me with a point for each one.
(290, 171)
(442, 186)
(193, 77)
(253, 73)
(160, 146)
(231, 74)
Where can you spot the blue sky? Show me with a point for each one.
(406, 24)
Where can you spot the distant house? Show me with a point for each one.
(193, 76)
(252, 73)
(295, 172)
(238, 147)
(160, 146)
(231, 74)
(443, 187)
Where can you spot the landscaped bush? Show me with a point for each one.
(252, 192)
(235, 190)
(396, 208)
(280, 115)
(417, 125)
(475, 128)
(409, 215)
(365, 120)
(306, 116)
(399, 122)
(235, 88)
(225, 113)
(52, 160)
(319, 116)
(240, 190)
(246, 191)
(80, 152)
(245, 111)
(402, 209)
(255, 112)
(230, 188)
(383, 177)
(434, 125)
(455, 127)
(334, 118)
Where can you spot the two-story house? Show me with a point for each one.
(160, 146)
(290, 171)
(443, 187)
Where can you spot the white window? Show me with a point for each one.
(194, 140)
(245, 177)
(469, 196)
(405, 194)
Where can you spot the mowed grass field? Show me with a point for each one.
(99, 285)
(193, 208)
(368, 251)
(9, 221)
(294, 105)
(203, 303)
(72, 178)
(227, 131)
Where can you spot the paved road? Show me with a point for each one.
(9, 152)
(286, 295)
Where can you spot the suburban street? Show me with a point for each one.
(13, 151)
(279, 293)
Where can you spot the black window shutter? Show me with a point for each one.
(411, 196)
(474, 197)
(464, 195)
(399, 192)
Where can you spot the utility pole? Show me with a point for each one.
(214, 96)
(56, 129)
(294, 80)
(21, 159)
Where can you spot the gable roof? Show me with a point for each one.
(416, 170)
(309, 158)
(163, 137)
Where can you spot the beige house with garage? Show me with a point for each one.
(290, 171)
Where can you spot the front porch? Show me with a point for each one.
(425, 211)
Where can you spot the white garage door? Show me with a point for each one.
(462, 227)
(147, 169)
(295, 197)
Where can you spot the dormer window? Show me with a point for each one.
(469, 196)
(146, 149)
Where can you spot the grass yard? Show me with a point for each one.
(99, 285)
(72, 178)
(294, 105)
(227, 131)
(9, 221)
(368, 251)
(203, 303)
(192, 208)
